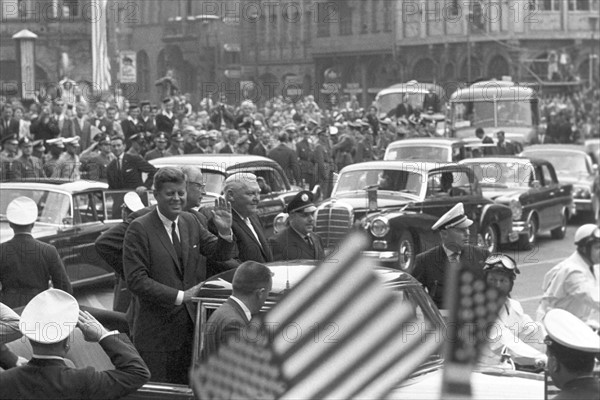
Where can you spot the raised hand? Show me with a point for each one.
(222, 216)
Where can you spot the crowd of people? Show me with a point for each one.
(163, 253)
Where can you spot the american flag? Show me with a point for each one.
(337, 335)
(100, 61)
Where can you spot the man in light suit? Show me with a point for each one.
(431, 266)
(297, 241)
(161, 261)
(251, 285)
(47, 376)
(26, 264)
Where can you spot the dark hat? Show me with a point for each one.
(136, 136)
(302, 202)
(103, 139)
(25, 140)
(133, 106)
(167, 99)
(177, 136)
(14, 139)
(161, 137)
(144, 103)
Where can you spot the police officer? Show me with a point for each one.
(26, 264)
(573, 284)
(27, 165)
(305, 153)
(571, 349)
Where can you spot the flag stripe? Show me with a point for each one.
(343, 325)
(100, 61)
(318, 281)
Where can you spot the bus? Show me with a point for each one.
(495, 106)
(389, 98)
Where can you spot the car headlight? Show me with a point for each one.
(380, 227)
(517, 209)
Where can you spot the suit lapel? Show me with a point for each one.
(184, 234)
(164, 239)
(263, 240)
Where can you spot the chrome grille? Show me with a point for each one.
(333, 222)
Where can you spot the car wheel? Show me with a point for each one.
(489, 239)
(561, 231)
(534, 227)
(407, 252)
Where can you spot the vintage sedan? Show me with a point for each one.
(71, 216)
(397, 202)
(276, 194)
(530, 188)
(573, 165)
(423, 383)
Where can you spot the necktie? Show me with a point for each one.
(119, 163)
(307, 240)
(176, 242)
(249, 224)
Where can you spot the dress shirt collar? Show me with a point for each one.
(244, 308)
(131, 119)
(166, 221)
(449, 252)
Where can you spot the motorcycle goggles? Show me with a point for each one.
(501, 261)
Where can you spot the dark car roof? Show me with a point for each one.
(217, 162)
(56, 184)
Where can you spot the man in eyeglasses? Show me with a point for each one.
(573, 285)
(431, 266)
(514, 331)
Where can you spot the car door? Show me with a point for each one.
(81, 260)
(545, 195)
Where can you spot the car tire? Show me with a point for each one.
(407, 252)
(490, 239)
(534, 228)
(561, 231)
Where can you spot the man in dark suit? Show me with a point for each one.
(286, 158)
(80, 126)
(161, 260)
(262, 147)
(165, 120)
(8, 124)
(306, 158)
(251, 285)
(542, 138)
(430, 266)
(504, 147)
(297, 241)
(47, 376)
(125, 172)
(131, 125)
(26, 264)
(146, 120)
(243, 192)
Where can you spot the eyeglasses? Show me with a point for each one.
(502, 259)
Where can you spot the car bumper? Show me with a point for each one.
(383, 256)
(583, 205)
(520, 230)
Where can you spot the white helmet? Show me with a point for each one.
(587, 232)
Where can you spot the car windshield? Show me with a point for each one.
(564, 162)
(53, 207)
(502, 175)
(388, 102)
(481, 114)
(419, 152)
(387, 180)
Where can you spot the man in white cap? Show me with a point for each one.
(297, 241)
(26, 264)
(430, 266)
(49, 321)
(573, 284)
(571, 348)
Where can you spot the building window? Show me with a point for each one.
(345, 19)
(374, 16)
(364, 26)
(547, 5)
(70, 8)
(324, 18)
(388, 14)
(579, 5)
